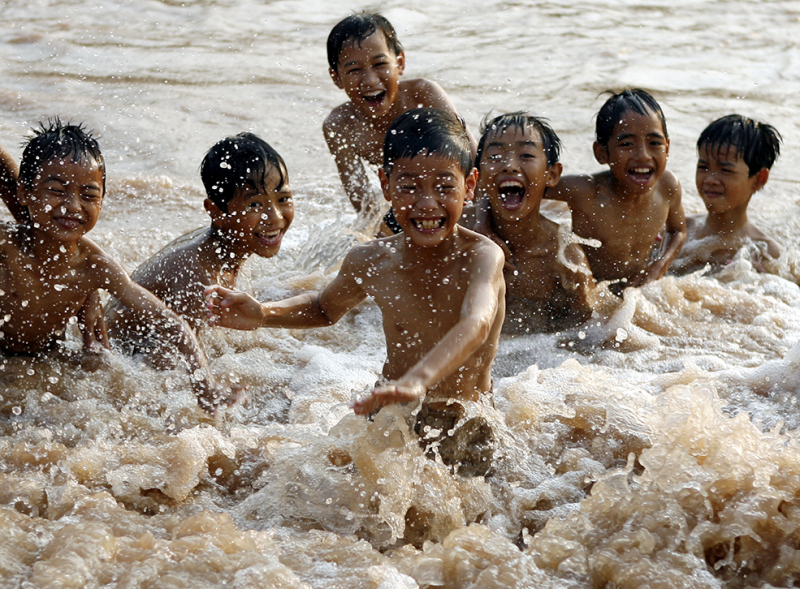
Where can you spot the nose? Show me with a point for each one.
(71, 201)
(370, 77)
(272, 215)
(510, 162)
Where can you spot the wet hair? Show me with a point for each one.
(56, 140)
(758, 144)
(520, 120)
(235, 161)
(357, 27)
(427, 131)
(614, 109)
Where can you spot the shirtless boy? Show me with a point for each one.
(549, 285)
(48, 267)
(735, 155)
(439, 286)
(629, 206)
(250, 205)
(366, 61)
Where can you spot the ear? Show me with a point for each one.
(384, 184)
(600, 153)
(761, 179)
(667, 147)
(554, 175)
(22, 195)
(336, 79)
(216, 213)
(471, 181)
(401, 62)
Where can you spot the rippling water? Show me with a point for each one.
(656, 447)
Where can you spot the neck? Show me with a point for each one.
(220, 254)
(728, 222)
(518, 232)
(50, 253)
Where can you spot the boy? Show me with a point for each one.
(439, 286)
(735, 155)
(628, 206)
(250, 205)
(48, 267)
(549, 285)
(366, 61)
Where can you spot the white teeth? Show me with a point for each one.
(641, 170)
(374, 94)
(510, 183)
(428, 223)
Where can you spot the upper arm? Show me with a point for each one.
(348, 162)
(346, 290)
(487, 286)
(676, 219)
(116, 281)
(8, 186)
(571, 189)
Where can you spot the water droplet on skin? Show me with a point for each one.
(16, 410)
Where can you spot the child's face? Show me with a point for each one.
(65, 199)
(257, 217)
(636, 153)
(370, 74)
(427, 193)
(514, 172)
(723, 180)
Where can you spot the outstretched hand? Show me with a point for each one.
(92, 323)
(387, 394)
(232, 309)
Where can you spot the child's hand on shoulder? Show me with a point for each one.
(232, 309)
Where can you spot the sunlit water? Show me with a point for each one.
(657, 446)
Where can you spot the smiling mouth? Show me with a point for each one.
(428, 225)
(270, 238)
(512, 194)
(68, 222)
(375, 98)
(641, 175)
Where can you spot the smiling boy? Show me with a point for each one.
(439, 286)
(48, 267)
(630, 205)
(549, 285)
(366, 60)
(250, 204)
(735, 155)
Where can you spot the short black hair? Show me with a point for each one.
(235, 161)
(632, 99)
(356, 28)
(758, 144)
(58, 140)
(427, 131)
(520, 120)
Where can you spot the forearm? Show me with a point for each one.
(675, 241)
(8, 186)
(301, 311)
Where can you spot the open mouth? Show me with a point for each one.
(271, 238)
(641, 175)
(512, 194)
(428, 225)
(68, 222)
(374, 98)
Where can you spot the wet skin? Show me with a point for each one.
(439, 287)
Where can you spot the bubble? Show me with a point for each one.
(16, 410)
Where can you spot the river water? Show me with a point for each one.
(658, 446)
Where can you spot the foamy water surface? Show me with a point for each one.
(657, 446)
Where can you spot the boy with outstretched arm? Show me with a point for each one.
(735, 155)
(366, 60)
(48, 267)
(250, 204)
(629, 206)
(549, 285)
(439, 286)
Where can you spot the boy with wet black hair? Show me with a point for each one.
(735, 155)
(637, 200)
(549, 285)
(48, 267)
(250, 204)
(366, 60)
(439, 286)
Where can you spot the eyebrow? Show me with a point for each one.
(355, 61)
(628, 135)
(523, 143)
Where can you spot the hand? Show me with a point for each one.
(387, 394)
(92, 322)
(232, 309)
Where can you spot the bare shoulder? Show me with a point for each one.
(756, 234)
(339, 118)
(424, 93)
(481, 248)
(366, 256)
(669, 185)
(574, 188)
